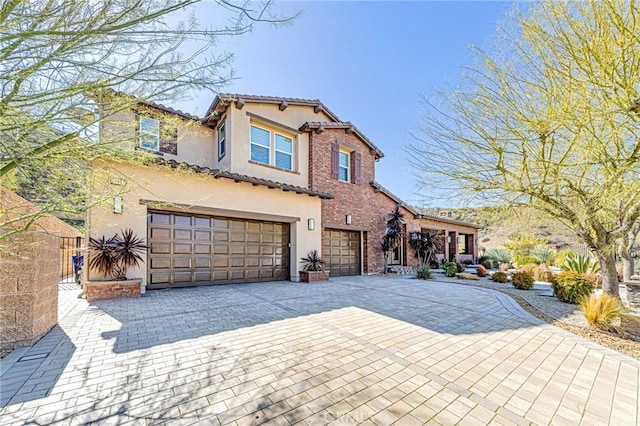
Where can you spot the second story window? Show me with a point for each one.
(271, 148)
(149, 133)
(344, 166)
(222, 148)
(284, 152)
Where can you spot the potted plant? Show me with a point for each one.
(112, 257)
(313, 269)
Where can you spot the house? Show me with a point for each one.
(242, 194)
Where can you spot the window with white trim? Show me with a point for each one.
(222, 148)
(149, 131)
(344, 166)
(271, 148)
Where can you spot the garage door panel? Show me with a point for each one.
(160, 263)
(195, 250)
(202, 276)
(160, 248)
(341, 251)
(181, 262)
(201, 248)
(182, 276)
(202, 222)
(161, 233)
(181, 234)
(159, 278)
(182, 220)
(182, 248)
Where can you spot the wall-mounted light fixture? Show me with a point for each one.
(449, 239)
(311, 224)
(348, 218)
(117, 205)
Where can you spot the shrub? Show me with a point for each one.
(461, 267)
(522, 244)
(482, 259)
(423, 272)
(481, 271)
(596, 279)
(525, 260)
(545, 275)
(466, 276)
(450, 269)
(487, 263)
(604, 312)
(499, 277)
(538, 272)
(531, 268)
(561, 256)
(522, 280)
(468, 262)
(571, 286)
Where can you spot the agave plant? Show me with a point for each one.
(114, 256)
(313, 262)
(581, 264)
(543, 253)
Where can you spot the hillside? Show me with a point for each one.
(499, 223)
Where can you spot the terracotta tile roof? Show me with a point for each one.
(243, 178)
(155, 105)
(321, 125)
(416, 212)
(224, 99)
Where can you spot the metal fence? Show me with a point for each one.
(71, 257)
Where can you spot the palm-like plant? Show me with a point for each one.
(313, 262)
(426, 244)
(394, 233)
(114, 256)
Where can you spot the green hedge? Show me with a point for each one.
(570, 286)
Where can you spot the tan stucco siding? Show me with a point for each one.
(197, 144)
(187, 188)
(289, 120)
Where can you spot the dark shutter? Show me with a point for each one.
(168, 139)
(357, 168)
(335, 152)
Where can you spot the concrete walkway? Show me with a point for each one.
(370, 350)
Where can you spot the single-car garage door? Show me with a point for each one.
(341, 251)
(187, 250)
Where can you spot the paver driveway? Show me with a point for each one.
(353, 350)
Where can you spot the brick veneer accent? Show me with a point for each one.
(29, 275)
(367, 208)
(104, 290)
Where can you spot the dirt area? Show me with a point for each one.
(623, 345)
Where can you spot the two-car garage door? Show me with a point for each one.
(187, 250)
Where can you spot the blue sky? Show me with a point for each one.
(369, 62)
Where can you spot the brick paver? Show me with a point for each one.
(361, 350)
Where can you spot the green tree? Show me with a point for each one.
(549, 118)
(58, 57)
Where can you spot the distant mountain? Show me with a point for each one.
(499, 223)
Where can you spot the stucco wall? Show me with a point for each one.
(184, 187)
(292, 117)
(197, 144)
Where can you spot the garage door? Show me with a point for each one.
(187, 250)
(341, 251)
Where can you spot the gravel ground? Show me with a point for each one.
(539, 302)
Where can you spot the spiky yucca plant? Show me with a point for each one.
(114, 256)
(313, 262)
(580, 264)
(604, 311)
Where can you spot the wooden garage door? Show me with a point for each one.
(187, 250)
(341, 251)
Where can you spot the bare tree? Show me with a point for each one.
(549, 118)
(57, 58)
